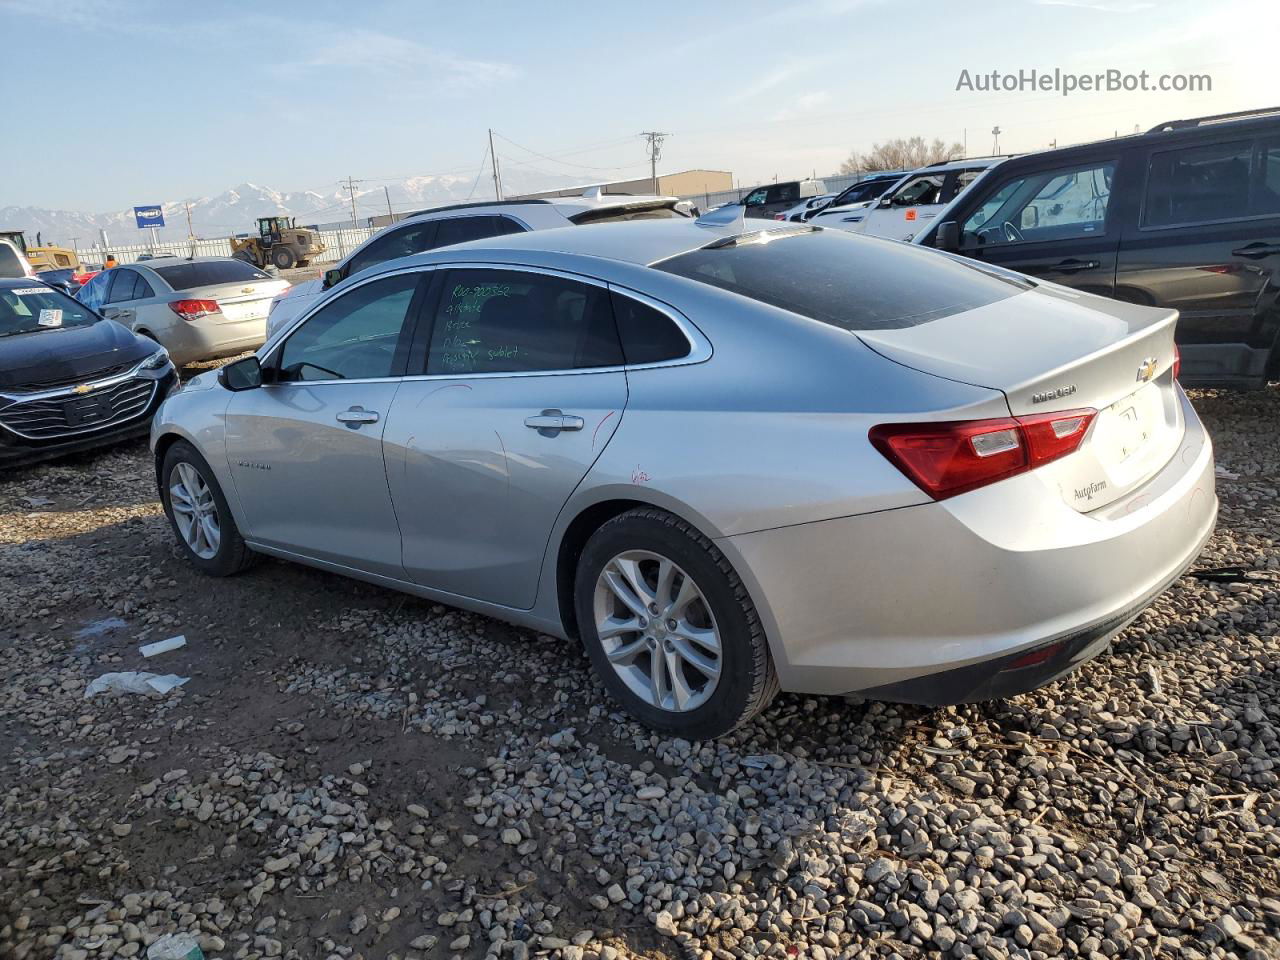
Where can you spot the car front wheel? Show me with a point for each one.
(669, 626)
(199, 514)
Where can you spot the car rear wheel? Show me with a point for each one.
(283, 258)
(199, 514)
(669, 627)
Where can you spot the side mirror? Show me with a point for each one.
(948, 236)
(885, 202)
(244, 374)
(332, 278)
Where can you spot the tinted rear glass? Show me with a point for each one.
(204, 273)
(854, 283)
(618, 214)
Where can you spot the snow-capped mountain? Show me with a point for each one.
(235, 210)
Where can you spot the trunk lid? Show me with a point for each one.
(238, 302)
(1052, 349)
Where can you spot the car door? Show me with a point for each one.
(907, 210)
(305, 449)
(1052, 221)
(521, 388)
(118, 304)
(1207, 243)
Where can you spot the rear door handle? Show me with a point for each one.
(1075, 266)
(1256, 251)
(550, 422)
(355, 416)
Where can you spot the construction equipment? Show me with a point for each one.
(280, 241)
(17, 238)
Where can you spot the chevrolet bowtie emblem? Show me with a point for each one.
(246, 289)
(1146, 369)
(83, 388)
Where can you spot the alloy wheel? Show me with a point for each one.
(657, 631)
(195, 512)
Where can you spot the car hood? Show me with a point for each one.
(308, 289)
(67, 353)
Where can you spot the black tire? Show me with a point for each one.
(232, 555)
(283, 258)
(747, 680)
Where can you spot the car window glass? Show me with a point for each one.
(1265, 197)
(356, 336)
(507, 321)
(462, 229)
(648, 335)
(846, 281)
(404, 242)
(505, 225)
(919, 191)
(28, 309)
(1197, 184)
(1049, 205)
(204, 273)
(122, 286)
(756, 197)
(141, 289)
(960, 183)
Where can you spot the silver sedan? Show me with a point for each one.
(727, 461)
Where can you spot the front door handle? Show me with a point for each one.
(1075, 266)
(1256, 251)
(550, 422)
(355, 416)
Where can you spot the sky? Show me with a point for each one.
(142, 101)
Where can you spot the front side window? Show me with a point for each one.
(1049, 205)
(462, 229)
(27, 309)
(512, 321)
(756, 198)
(94, 292)
(920, 191)
(360, 335)
(404, 242)
(1197, 184)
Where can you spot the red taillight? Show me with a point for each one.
(1177, 361)
(946, 459)
(193, 309)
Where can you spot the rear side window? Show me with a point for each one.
(1266, 187)
(1198, 184)
(462, 229)
(619, 214)
(204, 273)
(122, 286)
(512, 321)
(850, 282)
(648, 335)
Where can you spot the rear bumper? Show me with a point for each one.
(191, 342)
(937, 603)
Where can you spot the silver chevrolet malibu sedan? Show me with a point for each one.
(728, 460)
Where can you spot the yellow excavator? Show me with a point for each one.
(280, 241)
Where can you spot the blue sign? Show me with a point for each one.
(150, 216)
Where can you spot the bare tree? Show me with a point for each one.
(901, 154)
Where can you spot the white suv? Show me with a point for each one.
(910, 205)
(458, 223)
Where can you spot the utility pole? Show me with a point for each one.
(995, 144)
(655, 139)
(387, 193)
(497, 178)
(351, 191)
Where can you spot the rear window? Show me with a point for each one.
(619, 214)
(854, 283)
(204, 273)
(10, 264)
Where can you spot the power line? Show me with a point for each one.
(567, 163)
(350, 187)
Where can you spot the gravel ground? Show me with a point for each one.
(355, 773)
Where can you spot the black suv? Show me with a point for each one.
(1186, 216)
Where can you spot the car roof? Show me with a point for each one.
(640, 242)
